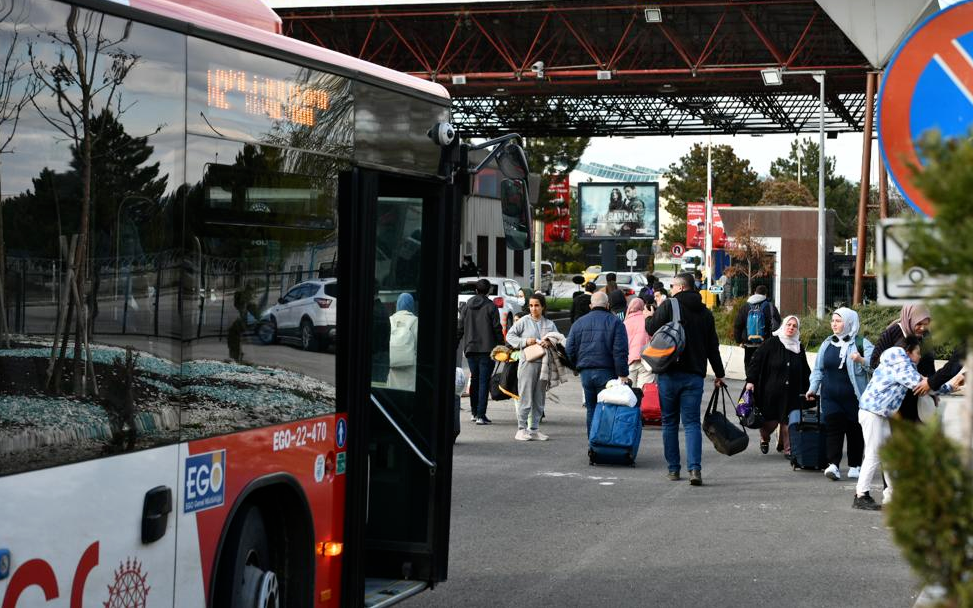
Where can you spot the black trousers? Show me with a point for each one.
(837, 427)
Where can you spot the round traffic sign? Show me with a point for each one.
(928, 84)
(631, 255)
(677, 250)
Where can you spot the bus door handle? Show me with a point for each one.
(428, 462)
(155, 513)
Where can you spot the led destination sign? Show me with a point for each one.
(265, 96)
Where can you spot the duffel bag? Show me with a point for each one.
(727, 437)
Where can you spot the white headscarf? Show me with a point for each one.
(791, 343)
(847, 336)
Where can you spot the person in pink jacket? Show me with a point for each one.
(637, 340)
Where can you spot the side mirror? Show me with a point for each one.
(577, 279)
(516, 214)
(280, 300)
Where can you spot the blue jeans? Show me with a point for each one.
(481, 368)
(592, 381)
(681, 395)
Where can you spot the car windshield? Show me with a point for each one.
(469, 289)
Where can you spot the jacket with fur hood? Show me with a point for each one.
(702, 343)
(771, 319)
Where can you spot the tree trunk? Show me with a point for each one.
(61, 325)
(4, 331)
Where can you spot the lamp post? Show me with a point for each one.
(775, 77)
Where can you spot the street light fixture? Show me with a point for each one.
(775, 77)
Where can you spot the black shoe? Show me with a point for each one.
(673, 475)
(695, 478)
(764, 447)
(865, 503)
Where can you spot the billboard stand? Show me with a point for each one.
(608, 252)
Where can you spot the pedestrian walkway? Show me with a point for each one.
(534, 525)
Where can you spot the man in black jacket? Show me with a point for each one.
(758, 303)
(582, 301)
(479, 332)
(681, 384)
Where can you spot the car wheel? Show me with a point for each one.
(308, 339)
(249, 568)
(267, 332)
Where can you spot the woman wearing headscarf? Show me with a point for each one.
(778, 376)
(913, 321)
(527, 331)
(637, 340)
(403, 342)
(840, 376)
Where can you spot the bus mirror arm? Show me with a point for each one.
(429, 463)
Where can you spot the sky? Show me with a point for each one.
(660, 151)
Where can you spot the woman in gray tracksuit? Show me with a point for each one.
(528, 330)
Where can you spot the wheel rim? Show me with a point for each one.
(267, 331)
(260, 588)
(305, 335)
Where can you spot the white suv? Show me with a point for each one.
(504, 292)
(306, 314)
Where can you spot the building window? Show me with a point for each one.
(483, 254)
(501, 257)
(519, 263)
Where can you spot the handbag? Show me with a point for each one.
(748, 412)
(533, 352)
(727, 437)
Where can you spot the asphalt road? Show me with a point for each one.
(534, 525)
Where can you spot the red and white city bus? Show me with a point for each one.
(183, 191)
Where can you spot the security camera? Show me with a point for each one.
(442, 134)
(538, 68)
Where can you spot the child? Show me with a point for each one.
(882, 397)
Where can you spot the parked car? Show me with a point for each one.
(306, 314)
(691, 261)
(504, 292)
(591, 273)
(631, 283)
(547, 277)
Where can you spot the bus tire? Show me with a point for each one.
(249, 569)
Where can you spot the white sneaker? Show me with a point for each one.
(523, 435)
(832, 472)
(854, 472)
(538, 436)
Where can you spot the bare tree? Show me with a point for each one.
(749, 255)
(81, 89)
(17, 89)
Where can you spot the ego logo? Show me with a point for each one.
(204, 481)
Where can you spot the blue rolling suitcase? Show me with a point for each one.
(808, 439)
(616, 431)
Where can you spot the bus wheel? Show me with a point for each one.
(250, 564)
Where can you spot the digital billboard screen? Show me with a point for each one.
(622, 210)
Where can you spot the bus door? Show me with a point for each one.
(396, 365)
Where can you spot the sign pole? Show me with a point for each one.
(865, 188)
(709, 213)
(822, 223)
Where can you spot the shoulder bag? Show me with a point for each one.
(727, 437)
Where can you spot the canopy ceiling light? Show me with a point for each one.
(772, 77)
(653, 14)
(459, 79)
(604, 75)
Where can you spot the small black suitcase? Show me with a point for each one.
(808, 439)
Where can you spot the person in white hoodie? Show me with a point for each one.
(896, 374)
(757, 320)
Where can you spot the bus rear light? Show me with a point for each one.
(499, 302)
(323, 302)
(330, 549)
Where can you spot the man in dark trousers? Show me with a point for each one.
(582, 301)
(479, 332)
(765, 320)
(681, 384)
(597, 345)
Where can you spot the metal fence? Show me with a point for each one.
(798, 295)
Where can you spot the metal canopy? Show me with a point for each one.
(604, 70)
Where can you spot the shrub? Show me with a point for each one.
(932, 518)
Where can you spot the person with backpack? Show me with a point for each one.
(778, 376)
(681, 376)
(840, 375)
(647, 293)
(479, 332)
(403, 342)
(581, 304)
(755, 322)
(597, 347)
